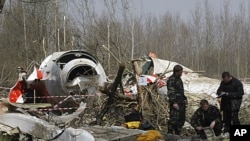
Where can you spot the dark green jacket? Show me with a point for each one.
(204, 118)
(175, 90)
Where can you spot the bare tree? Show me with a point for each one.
(197, 38)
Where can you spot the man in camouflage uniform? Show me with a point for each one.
(177, 101)
(206, 116)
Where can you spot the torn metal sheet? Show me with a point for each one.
(8, 130)
(113, 133)
(31, 125)
(71, 134)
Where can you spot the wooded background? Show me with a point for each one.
(209, 41)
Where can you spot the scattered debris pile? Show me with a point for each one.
(133, 106)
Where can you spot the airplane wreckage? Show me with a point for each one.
(62, 100)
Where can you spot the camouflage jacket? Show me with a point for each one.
(175, 90)
(204, 118)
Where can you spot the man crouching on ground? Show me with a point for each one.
(206, 116)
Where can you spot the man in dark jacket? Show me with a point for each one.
(206, 116)
(230, 91)
(177, 101)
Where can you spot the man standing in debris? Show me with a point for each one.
(177, 101)
(230, 91)
(206, 116)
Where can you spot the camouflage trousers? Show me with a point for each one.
(176, 119)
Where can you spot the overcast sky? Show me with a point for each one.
(182, 7)
(185, 7)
